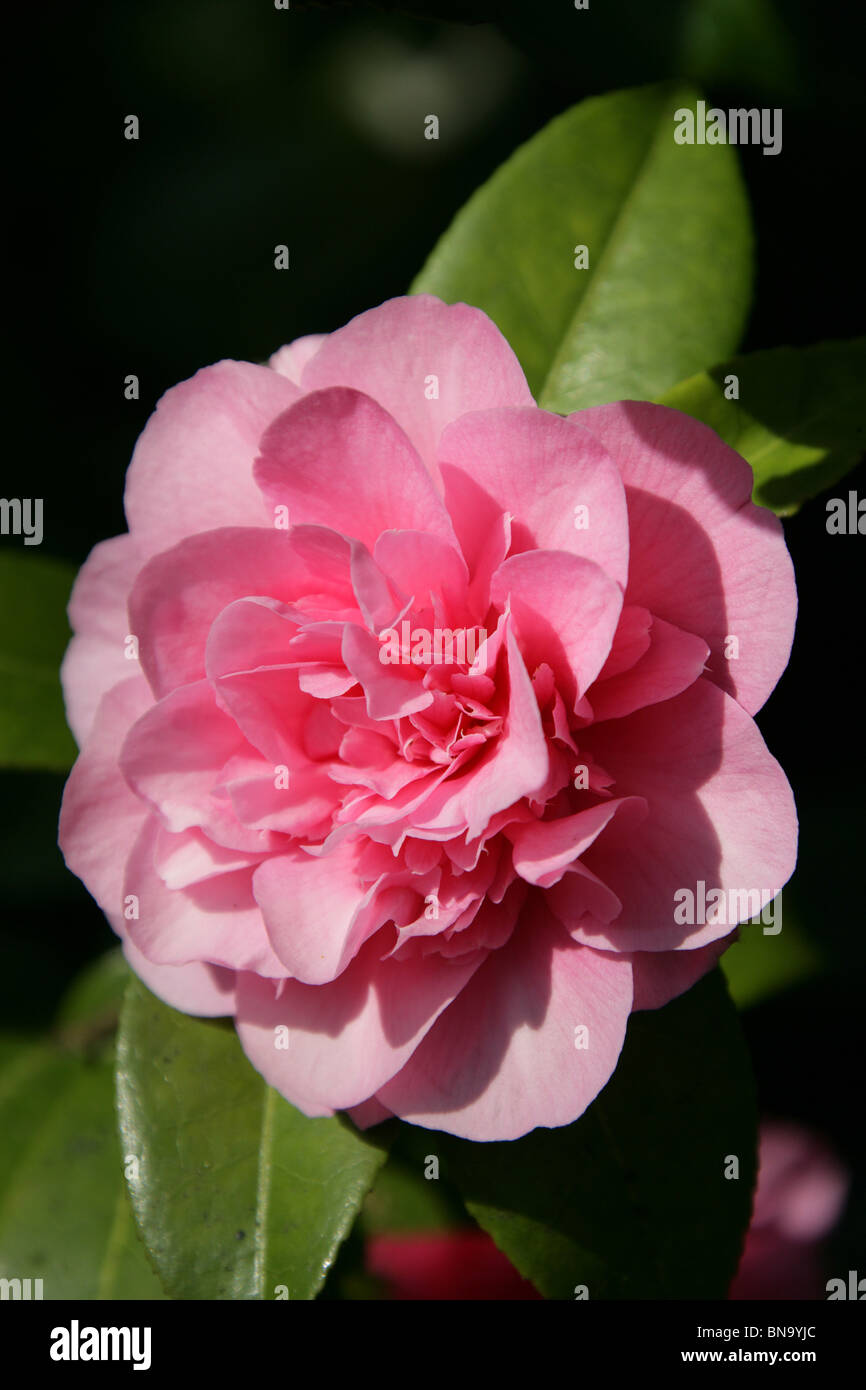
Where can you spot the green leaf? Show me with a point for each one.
(90, 1009)
(33, 635)
(668, 233)
(64, 1214)
(800, 419)
(763, 963)
(631, 1200)
(238, 1195)
(403, 1200)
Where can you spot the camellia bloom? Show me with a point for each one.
(440, 700)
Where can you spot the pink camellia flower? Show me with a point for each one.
(442, 703)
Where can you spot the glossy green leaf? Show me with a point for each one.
(669, 242)
(33, 635)
(64, 1214)
(632, 1200)
(238, 1195)
(800, 416)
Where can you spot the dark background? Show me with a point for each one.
(305, 127)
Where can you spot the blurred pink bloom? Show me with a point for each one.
(801, 1190)
(460, 1265)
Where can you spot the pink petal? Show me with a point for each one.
(529, 464)
(305, 807)
(192, 469)
(257, 677)
(101, 816)
(374, 594)
(391, 690)
(191, 857)
(178, 594)
(578, 893)
(99, 821)
(96, 657)
(251, 633)
(317, 912)
(517, 766)
(660, 976)
(672, 663)
(291, 360)
(488, 556)
(391, 353)
(445, 1266)
(543, 849)
(338, 459)
(503, 1058)
(369, 1113)
(720, 812)
(421, 565)
(216, 921)
(270, 709)
(207, 991)
(346, 1038)
(565, 612)
(174, 752)
(631, 640)
(703, 556)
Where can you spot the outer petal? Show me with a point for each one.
(100, 816)
(173, 755)
(703, 556)
(216, 921)
(99, 820)
(192, 469)
(348, 1037)
(660, 976)
(208, 991)
(369, 1113)
(720, 811)
(392, 352)
(502, 1058)
(291, 360)
(96, 658)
